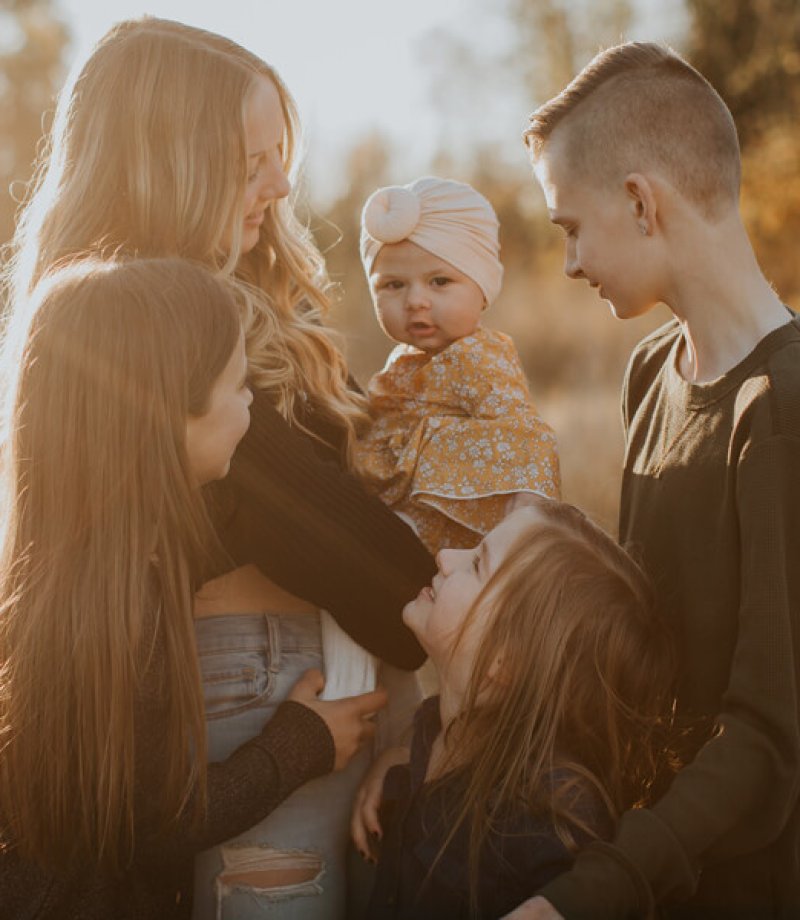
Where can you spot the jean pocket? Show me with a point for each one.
(235, 680)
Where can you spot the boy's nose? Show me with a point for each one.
(572, 267)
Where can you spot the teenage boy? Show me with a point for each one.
(639, 162)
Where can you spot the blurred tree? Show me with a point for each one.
(32, 43)
(337, 234)
(750, 51)
(555, 38)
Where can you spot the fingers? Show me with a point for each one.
(368, 703)
(364, 826)
(369, 809)
(358, 829)
(367, 731)
(309, 686)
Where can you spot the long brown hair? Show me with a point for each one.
(585, 686)
(148, 157)
(103, 531)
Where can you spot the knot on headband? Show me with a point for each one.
(391, 214)
(446, 218)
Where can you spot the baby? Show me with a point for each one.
(455, 436)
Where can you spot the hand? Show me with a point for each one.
(523, 500)
(364, 826)
(535, 909)
(349, 720)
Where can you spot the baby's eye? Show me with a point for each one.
(392, 285)
(440, 281)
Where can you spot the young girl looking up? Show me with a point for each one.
(554, 676)
(127, 392)
(454, 434)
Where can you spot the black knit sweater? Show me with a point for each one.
(294, 747)
(289, 506)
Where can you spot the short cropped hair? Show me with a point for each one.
(640, 105)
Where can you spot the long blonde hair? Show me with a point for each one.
(584, 690)
(148, 157)
(103, 536)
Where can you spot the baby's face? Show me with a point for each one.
(422, 300)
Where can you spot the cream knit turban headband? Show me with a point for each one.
(446, 218)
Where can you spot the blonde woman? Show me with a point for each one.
(175, 141)
(127, 391)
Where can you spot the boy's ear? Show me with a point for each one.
(642, 202)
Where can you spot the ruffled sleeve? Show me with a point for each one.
(455, 435)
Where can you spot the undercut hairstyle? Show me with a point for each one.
(639, 106)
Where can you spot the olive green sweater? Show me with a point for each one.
(711, 502)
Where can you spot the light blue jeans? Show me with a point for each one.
(292, 865)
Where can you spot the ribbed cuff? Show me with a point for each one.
(602, 885)
(645, 864)
(650, 843)
(300, 744)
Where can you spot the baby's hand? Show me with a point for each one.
(364, 825)
(523, 500)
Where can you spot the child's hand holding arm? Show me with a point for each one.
(364, 824)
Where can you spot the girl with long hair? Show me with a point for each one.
(127, 391)
(555, 679)
(173, 141)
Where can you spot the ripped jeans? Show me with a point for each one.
(292, 865)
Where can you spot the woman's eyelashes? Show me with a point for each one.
(260, 161)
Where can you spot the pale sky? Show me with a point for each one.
(353, 66)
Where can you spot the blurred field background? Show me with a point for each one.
(484, 69)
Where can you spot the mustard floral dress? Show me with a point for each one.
(454, 436)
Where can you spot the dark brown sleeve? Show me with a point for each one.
(312, 528)
(294, 747)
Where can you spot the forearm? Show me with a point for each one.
(740, 790)
(294, 747)
(314, 530)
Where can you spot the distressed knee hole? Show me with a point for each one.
(269, 871)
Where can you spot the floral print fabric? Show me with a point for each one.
(454, 436)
